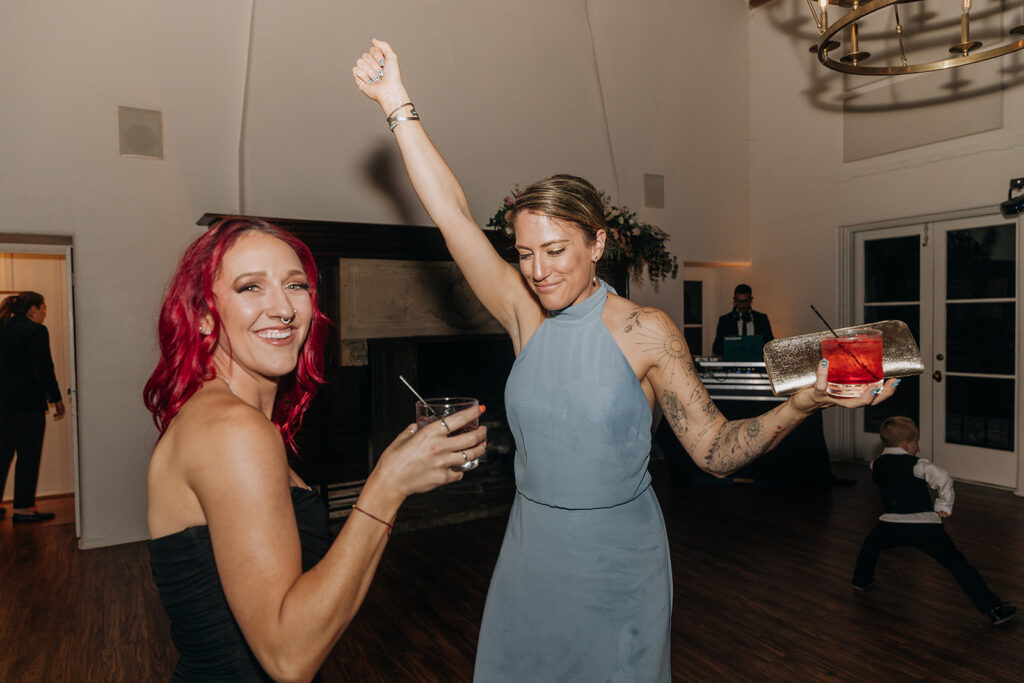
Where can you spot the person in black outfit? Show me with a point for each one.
(254, 584)
(912, 519)
(27, 386)
(742, 320)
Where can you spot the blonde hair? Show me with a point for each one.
(897, 430)
(566, 197)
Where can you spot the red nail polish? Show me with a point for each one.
(483, 408)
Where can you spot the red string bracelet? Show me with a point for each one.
(389, 525)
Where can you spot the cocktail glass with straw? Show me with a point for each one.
(854, 360)
(433, 409)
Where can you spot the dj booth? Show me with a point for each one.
(741, 389)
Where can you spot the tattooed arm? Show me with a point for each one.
(717, 445)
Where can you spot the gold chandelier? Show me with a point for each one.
(941, 32)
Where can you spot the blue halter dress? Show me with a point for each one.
(582, 590)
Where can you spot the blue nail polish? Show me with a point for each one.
(370, 81)
(874, 392)
(896, 383)
(380, 72)
(824, 362)
(380, 61)
(376, 77)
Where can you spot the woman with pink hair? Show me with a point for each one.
(241, 553)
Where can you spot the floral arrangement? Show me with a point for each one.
(629, 241)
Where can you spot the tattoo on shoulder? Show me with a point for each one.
(661, 339)
(633, 319)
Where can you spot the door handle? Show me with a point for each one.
(937, 375)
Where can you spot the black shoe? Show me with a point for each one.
(31, 517)
(1004, 611)
(863, 587)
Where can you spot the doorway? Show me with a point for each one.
(47, 268)
(954, 282)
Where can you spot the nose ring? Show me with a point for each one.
(287, 321)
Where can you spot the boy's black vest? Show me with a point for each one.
(902, 492)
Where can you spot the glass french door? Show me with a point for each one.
(955, 285)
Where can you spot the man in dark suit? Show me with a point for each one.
(742, 320)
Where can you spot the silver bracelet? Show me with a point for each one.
(407, 104)
(398, 119)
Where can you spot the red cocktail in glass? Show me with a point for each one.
(854, 362)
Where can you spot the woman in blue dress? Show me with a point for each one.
(582, 590)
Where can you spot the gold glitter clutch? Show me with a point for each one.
(792, 363)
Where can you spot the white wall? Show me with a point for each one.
(802, 192)
(671, 112)
(65, 67)
(506, 96)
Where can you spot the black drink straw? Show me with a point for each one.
(834, 334)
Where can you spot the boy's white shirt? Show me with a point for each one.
(937, 478)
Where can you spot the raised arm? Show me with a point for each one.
(291, 619)
(717, 445)
(497, 284)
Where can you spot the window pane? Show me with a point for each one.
(693, 302)
(892, 269)
(979, 412)
(980, 262)
(905, 402)
(695, 340)
(980, 338)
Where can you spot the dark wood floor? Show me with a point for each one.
(761, 593)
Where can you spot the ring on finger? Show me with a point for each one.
(470, 465)
(445, 425)
(465, 458)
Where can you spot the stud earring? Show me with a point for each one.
(203, 331)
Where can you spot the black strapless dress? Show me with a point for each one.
(205, 633)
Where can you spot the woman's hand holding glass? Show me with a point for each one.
(420, 460)
(816, 397)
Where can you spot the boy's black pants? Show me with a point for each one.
(932, 539)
